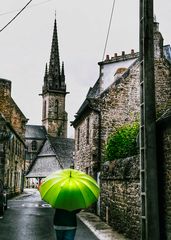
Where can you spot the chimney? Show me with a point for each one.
(158, 41)
(107, 58)
(123, 53)
(132, 51)
(115, 55)
(155, 27)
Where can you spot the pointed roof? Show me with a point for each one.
(54, 64)
(63, 148)
(55, 154)
(45, 163)
(54, 78)
(35, 132)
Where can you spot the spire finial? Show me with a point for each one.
(54, 64)
(62, 72)
(46, 69)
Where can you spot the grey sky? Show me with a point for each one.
(82, 27)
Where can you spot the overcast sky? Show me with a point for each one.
(82, 28)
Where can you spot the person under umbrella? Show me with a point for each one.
(68, 191)
(65, 224)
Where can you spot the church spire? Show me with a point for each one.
(54, 64)
(54, 116)
(63, 76)
(46, 73)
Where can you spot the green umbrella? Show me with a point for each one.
(69, 189)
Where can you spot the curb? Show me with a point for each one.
(100, 229)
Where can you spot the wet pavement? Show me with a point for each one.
(28, 214)
(28, 217)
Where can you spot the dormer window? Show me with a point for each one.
(34, 145)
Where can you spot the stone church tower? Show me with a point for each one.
(54, 117)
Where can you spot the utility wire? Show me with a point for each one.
(15, 16)
(33, 5)
(113, 6)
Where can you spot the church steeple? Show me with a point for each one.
(54, 64)
(62, 76)
(53, 75)
(54, 116)
(46, 76)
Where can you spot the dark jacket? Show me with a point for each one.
(65, 218)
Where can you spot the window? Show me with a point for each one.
(56, 108)
(88, 130)
(34, 145)
(78, 138)
(44, 110)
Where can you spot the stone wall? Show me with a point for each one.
(164, 169)
(55, 118)
(163, 85)
(120, 102)
(120, 196)
(5, 96)
(9, 108)
(86, 150)
(12, 151)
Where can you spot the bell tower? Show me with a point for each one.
(54, 116)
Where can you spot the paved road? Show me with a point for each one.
(29, 218)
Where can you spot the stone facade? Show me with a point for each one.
(9, 108)
(86, 143)
(116, 98)
(35, 137)
(54, 116)
(12, 147)
(12, 162)
(164, 169)
(120, 196)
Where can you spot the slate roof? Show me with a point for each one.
(43, 167)
(55, 154)
(64, 148)
(35, 132)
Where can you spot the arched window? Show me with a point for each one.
(56, 108)
(44, 110)
(34, 145)
(88, 130)
(78, 139)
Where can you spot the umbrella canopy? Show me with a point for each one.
(69, 189)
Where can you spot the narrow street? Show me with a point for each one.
(27, 217)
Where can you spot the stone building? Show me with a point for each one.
(54, 154)
(12, 146)
(35, 137)
(113, 101)
(54, 116)
(52, 135)
(9, 108)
